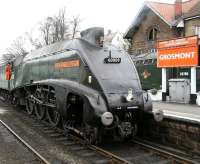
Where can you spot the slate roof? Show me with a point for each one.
(166, 12)
(190, 7)
(193, 11)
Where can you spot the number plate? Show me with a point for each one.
(112, 60)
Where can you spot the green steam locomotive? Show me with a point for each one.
(86, 86)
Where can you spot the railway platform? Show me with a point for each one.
(180, 111)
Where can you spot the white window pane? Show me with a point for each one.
(197, 31)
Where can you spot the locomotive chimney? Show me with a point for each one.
(178, 9)
(94, 36)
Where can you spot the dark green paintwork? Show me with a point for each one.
(44, 68)
(148, 63)
(154, 79)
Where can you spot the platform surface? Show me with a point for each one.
(186, 111)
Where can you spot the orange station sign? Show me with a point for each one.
(182, 52)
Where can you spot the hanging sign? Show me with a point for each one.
(182, 52)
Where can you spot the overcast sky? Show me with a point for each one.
(20, 16)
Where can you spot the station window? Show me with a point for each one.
(139, 62)
(148, 61)
(152, 35)
(154, 61)
(145, 62)
(198, 79)
(197, 31)
(136, 62)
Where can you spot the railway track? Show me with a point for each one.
(144, 153)
(39, 157)
(171, 156)
(136, 151)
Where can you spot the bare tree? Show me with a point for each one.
(75, 23)
(7, 57)
(60, 26)
(34, 41)
(54, 28)
(17, 48)
(45, 28)
(63, 27)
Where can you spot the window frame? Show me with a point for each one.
(197, 30)
(154, 30)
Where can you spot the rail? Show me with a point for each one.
(40, 157)
(164, 153)
(117, 158)
(114, 158)
(111, 155)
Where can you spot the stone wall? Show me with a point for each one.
(151, 19)
(182, 134)
(140, 37)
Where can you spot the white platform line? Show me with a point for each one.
(181, 115)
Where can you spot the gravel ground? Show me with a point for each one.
(13, 152)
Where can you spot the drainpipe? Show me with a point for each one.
(164, 84)
(193, 94)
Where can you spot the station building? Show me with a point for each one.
(170, 33)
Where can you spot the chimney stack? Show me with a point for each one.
(178, 8)
(94, 35)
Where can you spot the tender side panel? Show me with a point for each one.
(58, 66)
